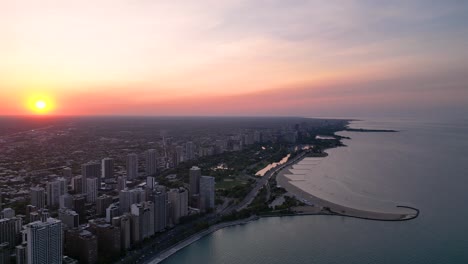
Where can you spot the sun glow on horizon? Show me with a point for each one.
(40, 104)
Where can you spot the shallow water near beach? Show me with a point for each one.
(425, 165)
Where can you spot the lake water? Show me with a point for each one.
(424, 165)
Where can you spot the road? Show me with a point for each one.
(165, 240)
(264, 180)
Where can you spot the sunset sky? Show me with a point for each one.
(232, 57)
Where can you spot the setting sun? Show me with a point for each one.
(41, 105)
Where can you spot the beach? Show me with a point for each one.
(337, 196)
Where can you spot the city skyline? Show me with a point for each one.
(281, 58)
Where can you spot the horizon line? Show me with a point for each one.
(174, 116)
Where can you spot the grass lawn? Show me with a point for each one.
(229, 183)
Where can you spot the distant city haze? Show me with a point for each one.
(235, 57)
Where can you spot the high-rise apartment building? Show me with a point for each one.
(178, 200)
(5, 252)
(150, 182)
(79, 206)
(132, 166)
(78, 184)
(142, 220)
(38, 197)
(21, 256)
(9, 230)
(91, 189)
(81, 245)
(55, 189)
(69, 218)
(91, 170)
(108, 237)
(66, 201)
(151, 162)
(159, 199)
(207, 193)
(179, 155)
(102, 202)
(45, 242)
(189, 151)
(107, 169)
(123, 222)
(121, 183)
(194, 186)
(194, 180)
(129, 197)
(112, 211)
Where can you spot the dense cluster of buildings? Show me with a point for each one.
(104, 207)
(74, 219)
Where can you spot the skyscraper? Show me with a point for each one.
(207, 193)
(69, 218)
(78, 184)
(54, 190)
(129, 197)
(108, 237)
(45, 242)
(91, 189)
(150, 182)
(91, 170)
(178, 198)
(179, 155)
(132, 166)
(21, 256)
(102, 202)
(143, 220)
(107, 168)
(121, 183)
(194, 186)
(63, 185)
(66, 201)
(38, 197)
(79, 206)
(9, 229)
(81, 245)
(151, 162)
(112, 211)
(124, 224)
(194, 180)
(4, 252)
(159, 199)
(189, 150)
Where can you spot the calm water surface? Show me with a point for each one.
(424, 165)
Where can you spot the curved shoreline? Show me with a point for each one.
(160, 257)
(337, 209)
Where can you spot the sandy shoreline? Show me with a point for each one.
(317, 209)
(407, 213)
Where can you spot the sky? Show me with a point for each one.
(347, 58)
